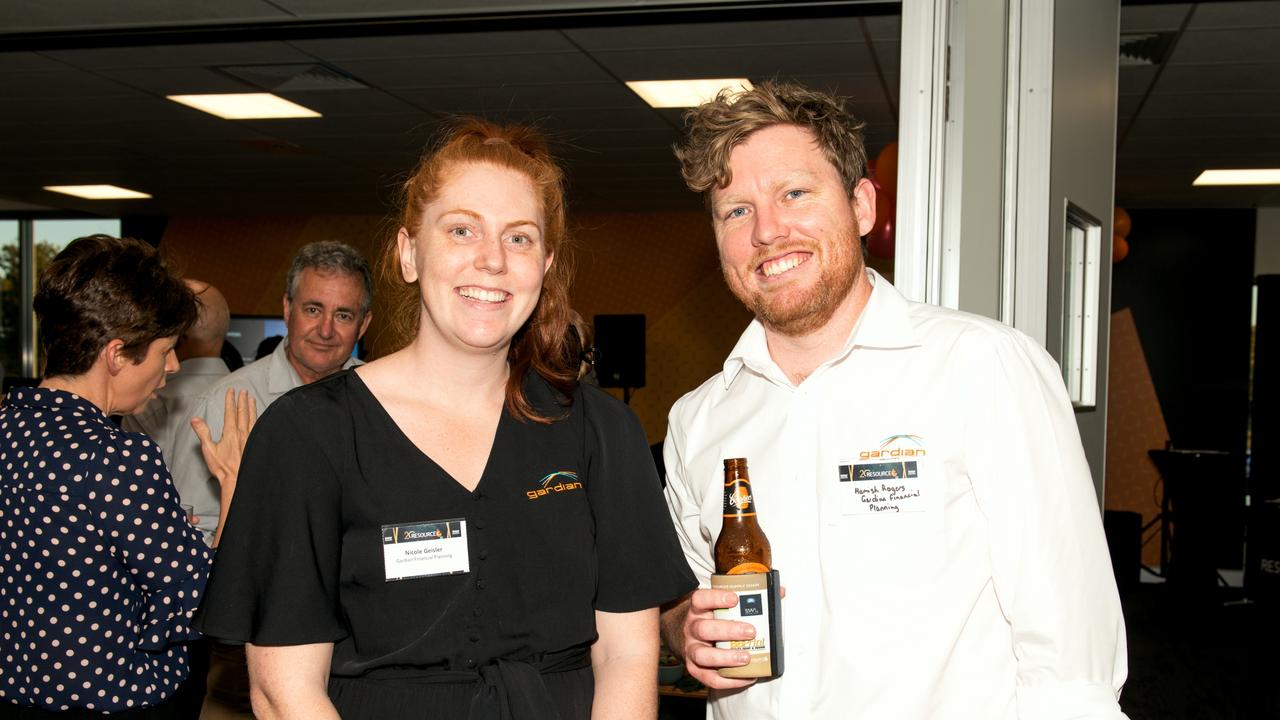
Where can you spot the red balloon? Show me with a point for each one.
(886, 164)
(880, 239)
(1119, 248)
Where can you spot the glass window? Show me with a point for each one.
(51, 236)
(10, 299)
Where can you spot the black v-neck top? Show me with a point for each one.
(301, 558)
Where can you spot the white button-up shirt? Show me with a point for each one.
(931, 513)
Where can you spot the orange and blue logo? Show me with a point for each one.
(556, 482)
(896, 447)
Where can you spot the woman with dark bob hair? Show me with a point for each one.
(100, 568)
(458, 529)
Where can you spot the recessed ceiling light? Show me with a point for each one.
(1258, 176)
(684, 93)
(246, 106)
(98, 192)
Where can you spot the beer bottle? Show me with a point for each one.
(742, 546)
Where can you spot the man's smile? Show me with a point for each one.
(775, 266)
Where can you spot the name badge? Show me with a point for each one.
(424, 549)
(882, 488)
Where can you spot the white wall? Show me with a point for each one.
(1267, 247)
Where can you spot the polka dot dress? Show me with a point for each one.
(99, 568)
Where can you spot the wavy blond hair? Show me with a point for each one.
(715, 128)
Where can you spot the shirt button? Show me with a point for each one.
(482, 554)
(479, 524)
(480, 584)
(479, 496)
(474, 637)
(477, 612)
(471, 662)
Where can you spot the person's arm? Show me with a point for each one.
(222, 458)
(1049, 562)
(148, 530)
(288, 682)
(625, 661)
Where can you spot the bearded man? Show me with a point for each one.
(977, 584)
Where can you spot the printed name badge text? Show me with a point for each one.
(881, 488)
(425, 549)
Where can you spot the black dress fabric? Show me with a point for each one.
(301, 559)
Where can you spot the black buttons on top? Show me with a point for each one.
(471, 662)
(482, 554)
(477, 612)
(479, 524)
(480, 584)
(474, 637)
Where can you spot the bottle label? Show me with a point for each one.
(737, 498)
(753, 608)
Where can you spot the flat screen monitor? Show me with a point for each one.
(246, 332)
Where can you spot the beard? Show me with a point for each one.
(797, 311)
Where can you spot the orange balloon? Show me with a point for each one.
(1122, 224)
(886, 164)
(1119, 248)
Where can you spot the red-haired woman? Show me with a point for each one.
(459, 529)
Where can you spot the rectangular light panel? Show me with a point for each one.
(1259, 176)
(246, 106)
(684, 93)
(98, 192)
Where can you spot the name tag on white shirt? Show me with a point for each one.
(425, 549)
(877, 487)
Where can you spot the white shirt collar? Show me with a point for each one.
(885, 322)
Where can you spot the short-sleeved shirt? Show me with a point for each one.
(326, 468)
(99, 568)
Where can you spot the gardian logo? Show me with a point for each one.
(896, 447)
(556, 482)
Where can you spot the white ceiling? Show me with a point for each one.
(82, 86)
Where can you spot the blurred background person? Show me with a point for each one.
(327, 304)
(461, 528)
(102, 569)
(167, 419)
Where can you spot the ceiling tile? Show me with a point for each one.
(445, 72)
(59, 83)
(1219, 78)
(178, 81)
(1209, 104)
(1236, 15)
(341, 103)
(439, 45)
(1134, 80)
(1152, 18)
(754, 62)
(719, 35)
(1243, 45)
(27, 62)
(173, 56)
(480, 99)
